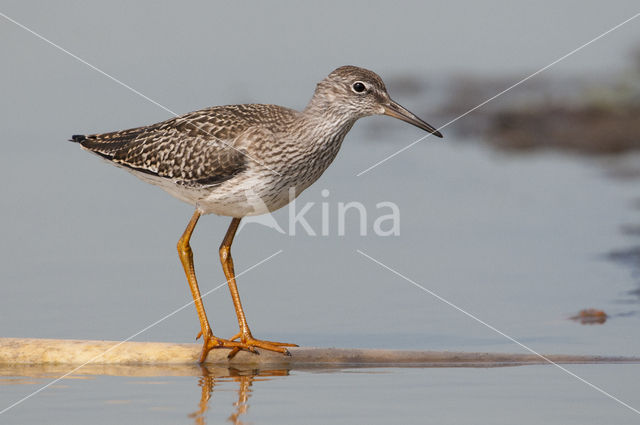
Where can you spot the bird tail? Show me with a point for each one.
(92, 144)
(105, 145)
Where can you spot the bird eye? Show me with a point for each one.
(358, 87)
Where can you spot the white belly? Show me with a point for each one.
(240, 196)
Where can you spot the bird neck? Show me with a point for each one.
(324, 118)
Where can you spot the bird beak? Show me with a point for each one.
(396, 111)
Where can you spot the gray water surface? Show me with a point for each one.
(520, 242)
(526, 395)
(508, 239)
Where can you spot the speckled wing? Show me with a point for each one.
(196, 149)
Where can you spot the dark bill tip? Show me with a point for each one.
(395, 110)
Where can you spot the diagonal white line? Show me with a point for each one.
(128, 87)
(595, 387)
(577, 49)
(162, 319)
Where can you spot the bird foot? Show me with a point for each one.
(211, 342)
(249, 343)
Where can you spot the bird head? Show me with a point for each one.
(358, 92)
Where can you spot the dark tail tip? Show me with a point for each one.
(78, 138)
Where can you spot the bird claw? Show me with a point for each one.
(247, 342)
(211, 342)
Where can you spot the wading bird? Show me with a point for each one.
(224, 159)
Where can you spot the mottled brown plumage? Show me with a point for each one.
(241, 160)
(193, 149)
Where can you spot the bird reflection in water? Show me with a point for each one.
(245, 378)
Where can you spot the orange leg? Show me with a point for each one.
(186, 257)
(246, 339)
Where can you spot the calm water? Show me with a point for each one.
(510, 239)
(521, 242)
(524, 395)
